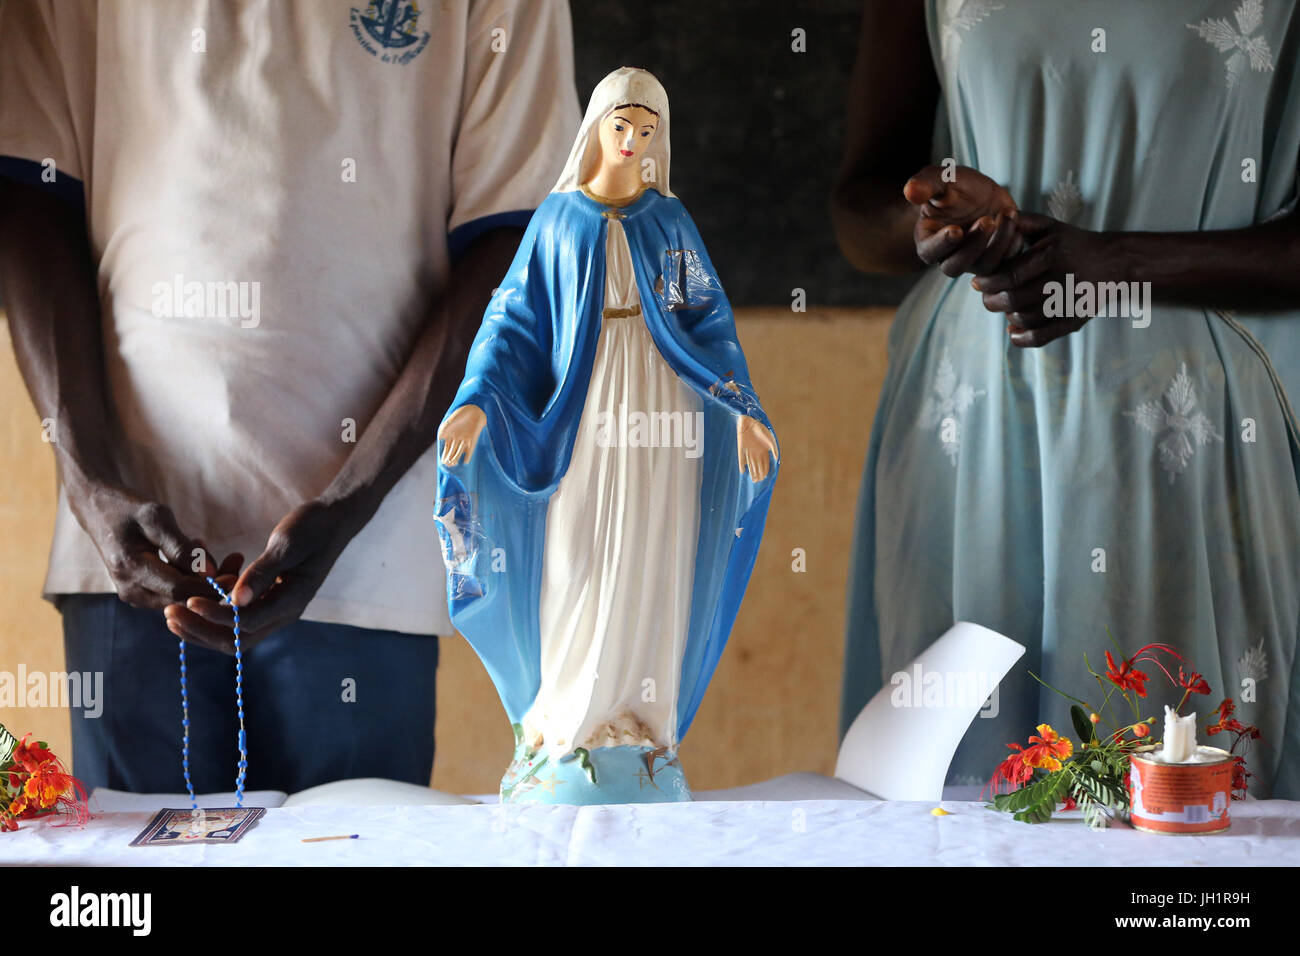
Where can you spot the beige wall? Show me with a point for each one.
(772, 707)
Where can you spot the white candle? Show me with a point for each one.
(1180, 737)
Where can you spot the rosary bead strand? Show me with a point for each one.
(242, 773)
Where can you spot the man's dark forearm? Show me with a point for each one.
(406, 423)
(47, 271)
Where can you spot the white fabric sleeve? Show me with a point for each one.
(47, 70)
(518, 112)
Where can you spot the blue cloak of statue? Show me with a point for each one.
(529, 369)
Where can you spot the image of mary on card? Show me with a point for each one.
(213, 825)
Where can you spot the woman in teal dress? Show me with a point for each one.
(1050, 476)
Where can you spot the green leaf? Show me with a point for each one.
(1106, 795)
(1034, 802)
(1082, 725)
(1039, 813)
(1093, 815)
(1099, 791)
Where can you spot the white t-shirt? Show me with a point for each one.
(273, 191)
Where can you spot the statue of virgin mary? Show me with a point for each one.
(605, 471)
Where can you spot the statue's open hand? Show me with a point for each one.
(753, 445)
(459, 434)
(966, 225)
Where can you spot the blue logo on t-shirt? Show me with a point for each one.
(392, 24)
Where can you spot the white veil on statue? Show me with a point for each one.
(625, 85)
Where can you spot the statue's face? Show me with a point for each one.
(625, 135)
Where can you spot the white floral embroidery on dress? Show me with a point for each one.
(1066, 201)
(1245, 48)
(959, 17)
(1180, 427)
(947, 406)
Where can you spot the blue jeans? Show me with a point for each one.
(322, 702)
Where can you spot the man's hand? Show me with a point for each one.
(129, 532)
(277, 587)
(1054, 249)
(967, 225)
(216, 639)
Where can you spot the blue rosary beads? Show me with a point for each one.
(239, 701)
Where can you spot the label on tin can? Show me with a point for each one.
(1180, 798)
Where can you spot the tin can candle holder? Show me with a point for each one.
(1188, 797)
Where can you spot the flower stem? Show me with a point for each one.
(1084, 703)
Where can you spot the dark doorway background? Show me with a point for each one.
(757, 131)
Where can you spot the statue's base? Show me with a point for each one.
(602, 775)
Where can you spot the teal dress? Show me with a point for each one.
(1141, 477)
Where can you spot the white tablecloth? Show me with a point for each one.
(802, 832)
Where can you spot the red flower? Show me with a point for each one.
(1069, 804)
(1226, 721)
(30, 756)
(1126, 676)
(1047, 748)
(1195, 683)
(1240, 732)
(1240, 776)
(1014, 772)
(40, 785)
(1235, 726)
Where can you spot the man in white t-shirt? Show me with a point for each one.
(244, 248)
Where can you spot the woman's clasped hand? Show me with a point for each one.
(966, 222)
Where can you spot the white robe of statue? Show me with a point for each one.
(620, 547)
